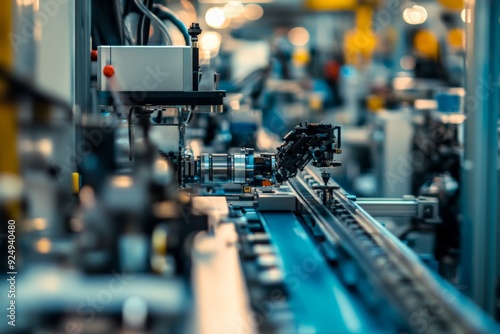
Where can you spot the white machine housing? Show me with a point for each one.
(142, 69)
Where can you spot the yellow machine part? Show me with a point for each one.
(327, 5)
(8, 159)
(9, 163)
(426, 44)
(375, 103)
(75, 183)
(456, 38)
(301, 57)
(360, 43)
(452, 4)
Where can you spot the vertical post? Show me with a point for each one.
(194, 31)
(82, 55)
(82, 64)
(480, 193)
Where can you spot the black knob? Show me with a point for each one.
(194, 30)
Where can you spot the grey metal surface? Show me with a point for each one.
(392, 159)
(166, 137)
(480, 198)
(141, 69)
(276, 202)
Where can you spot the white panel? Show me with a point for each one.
(54, 37)
(146, 68)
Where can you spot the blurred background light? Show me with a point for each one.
(415, 15)
(233, 9)
(465, 15)
(25, 2)
(298, 36)
(253, 12)
(122, 181)
(407, 62)
(39, 224)
(241, 1)
(210, 41)
(44, 245)
(135, 312)
(216, 17)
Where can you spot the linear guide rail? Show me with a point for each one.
(394, 271)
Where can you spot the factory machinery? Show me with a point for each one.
(156, 237)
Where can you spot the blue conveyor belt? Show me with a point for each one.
(320, 301)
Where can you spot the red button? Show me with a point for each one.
(93, 55)
(108, 71)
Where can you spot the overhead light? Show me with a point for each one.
(415, 15)
(215, 17)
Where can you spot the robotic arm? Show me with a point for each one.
(314, 142)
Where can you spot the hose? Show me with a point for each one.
(164, 13)
(154, 19)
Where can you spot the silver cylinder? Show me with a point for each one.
(205, 168)
(236, 168)
(239, 168)
(219, 168)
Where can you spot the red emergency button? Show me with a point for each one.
(108, 71)
(93, 55)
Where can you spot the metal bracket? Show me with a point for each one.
(423, 208)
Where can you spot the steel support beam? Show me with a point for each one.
(480, 196)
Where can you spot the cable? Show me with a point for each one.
(141, 25)
(188, 118)
(147, 24)
(160, 25)
(107, 23)
(129, 36)
(164, 13)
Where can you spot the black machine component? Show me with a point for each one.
(194, 31)
(197, 98)
(437, 176)
(313, 141)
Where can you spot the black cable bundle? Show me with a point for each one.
(107, 23)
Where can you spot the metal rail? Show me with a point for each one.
(421, 298)
(423, 208)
